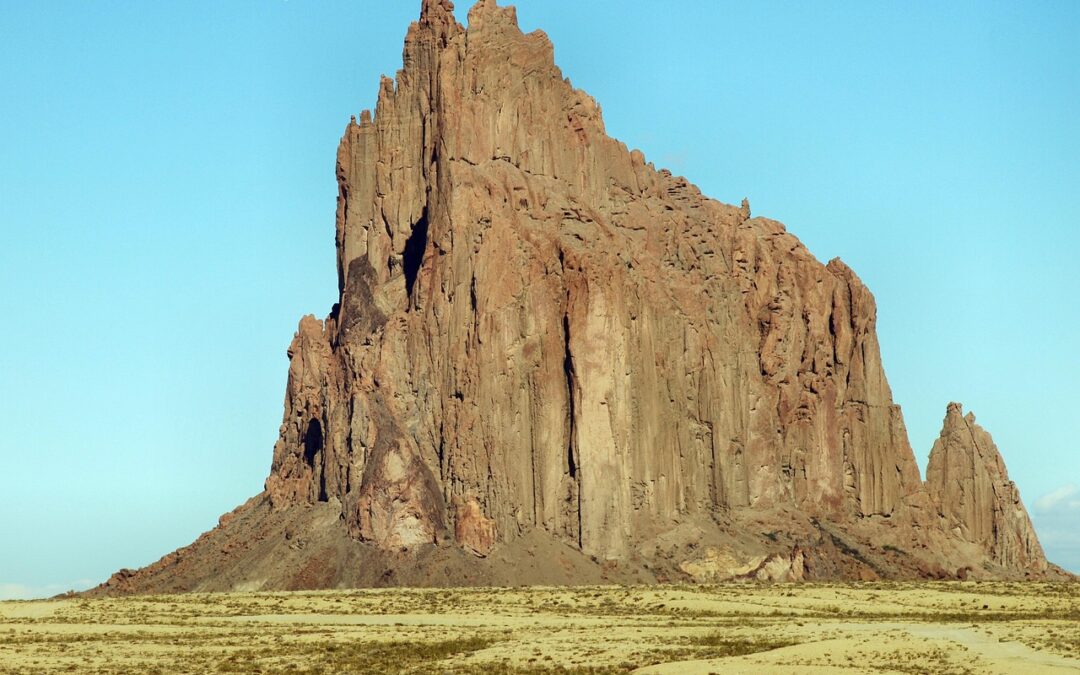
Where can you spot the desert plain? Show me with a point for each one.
(942, 627)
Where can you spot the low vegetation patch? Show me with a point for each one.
(361, 658)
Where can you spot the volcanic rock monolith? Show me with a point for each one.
(552, 362)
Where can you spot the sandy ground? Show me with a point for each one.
(738, 628)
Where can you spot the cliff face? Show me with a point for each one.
(543, 341)
(539, 330)
(968, 482)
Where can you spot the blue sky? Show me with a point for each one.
(167, 205)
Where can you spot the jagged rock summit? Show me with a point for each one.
(552, 363)
(968, 482)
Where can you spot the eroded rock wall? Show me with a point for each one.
(970, 486)
(537, 329)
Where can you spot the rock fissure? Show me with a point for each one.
(413, 253)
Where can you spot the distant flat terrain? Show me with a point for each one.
(955, 627)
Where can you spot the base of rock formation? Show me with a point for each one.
(256, 548)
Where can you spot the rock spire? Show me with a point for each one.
(968, 482)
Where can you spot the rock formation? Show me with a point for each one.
(968, 482)
(544, 343)
(538, 329)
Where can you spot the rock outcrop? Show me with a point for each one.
(538, 330)
(968, 482)
(544, 343)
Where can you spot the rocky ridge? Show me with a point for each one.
(546, 348)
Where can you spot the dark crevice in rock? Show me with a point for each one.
(571, 458)
(472, 295)
(568, 369)
(413, 255)
(313, 442)
(313, 445)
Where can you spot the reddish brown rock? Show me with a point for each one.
(547, 352)
(968, 482)
(584, 344)
(473, 530)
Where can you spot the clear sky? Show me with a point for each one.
(167, 202)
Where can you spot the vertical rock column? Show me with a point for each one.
(968, 482)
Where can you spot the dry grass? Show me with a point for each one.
(965, 627)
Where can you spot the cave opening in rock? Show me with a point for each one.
(413, 255)
(313, 442)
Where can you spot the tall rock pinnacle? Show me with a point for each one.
(548, 356)
(968, 482)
